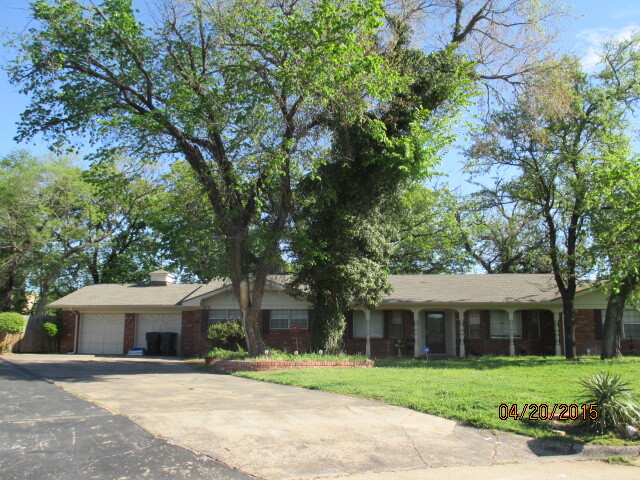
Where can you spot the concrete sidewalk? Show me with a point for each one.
(281, 432)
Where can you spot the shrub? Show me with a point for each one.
(11, 322)
(54, 329)
(227, 336)
(223, 354)
(616, 404)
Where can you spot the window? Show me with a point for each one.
(534, 321)
(396, 330)
(223, 315)
(376, 325)
(499, 324)
(287, 319)
(474, 324)
(630, 323)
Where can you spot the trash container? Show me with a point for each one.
(153, 343)
(168, 343)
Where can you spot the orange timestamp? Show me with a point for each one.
(536, 411)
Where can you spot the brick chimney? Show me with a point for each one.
(161, 277)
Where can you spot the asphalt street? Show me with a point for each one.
(48, 433)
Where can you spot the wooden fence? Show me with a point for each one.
(33, 339)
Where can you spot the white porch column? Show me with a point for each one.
(512, 347)
(461, 320)
(367, 316)
(556, 330)
(416, 332)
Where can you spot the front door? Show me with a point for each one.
(435, 332)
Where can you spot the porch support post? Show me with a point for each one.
(461, 320)
(556, 330)
(416, 334)
(512, 347)
(367, 316)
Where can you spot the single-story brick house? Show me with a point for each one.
(500, 314)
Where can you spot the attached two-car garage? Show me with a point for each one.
(103, 333)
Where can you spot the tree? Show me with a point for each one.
(551, 140)
(129, 191)
(614, 206)
(21, 223)
(427, 235)
(241, 90)
(499, 237)
(615, 224)
(55, 219)
(345, 229)
(506, 39)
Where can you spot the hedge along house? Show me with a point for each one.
(500, 314)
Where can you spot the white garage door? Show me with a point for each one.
(101, 333)
(157, 322)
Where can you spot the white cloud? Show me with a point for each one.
(593, 37)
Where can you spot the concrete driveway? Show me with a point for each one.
(279, 432)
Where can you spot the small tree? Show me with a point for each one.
(53, 331)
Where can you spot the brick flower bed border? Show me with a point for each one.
(231, 366)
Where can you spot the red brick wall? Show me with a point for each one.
(286, 340)
(230, 366)
(586, 336)
(194, 337)
(129, 332)
(67, 341)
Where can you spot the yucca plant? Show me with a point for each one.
(617, 406)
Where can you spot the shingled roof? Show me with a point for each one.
(125, 295)
(410, 289)
(472, 288)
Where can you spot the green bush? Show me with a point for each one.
(223, 354)
(11, 322)
(227, 336)
(54, 329)
(616, 404)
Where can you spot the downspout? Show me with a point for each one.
(75, 336)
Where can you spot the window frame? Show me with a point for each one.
(517, 319)
(396, 321)
(636, 317)
(291, 322)
(472, 316)
(377, 324)
(213, 320)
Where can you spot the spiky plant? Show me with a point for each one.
(617, 406)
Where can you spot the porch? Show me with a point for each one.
(454, 332)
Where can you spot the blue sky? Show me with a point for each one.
(597, 20)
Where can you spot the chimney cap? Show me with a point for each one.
(161, 277)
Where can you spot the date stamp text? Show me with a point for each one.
(534, 411)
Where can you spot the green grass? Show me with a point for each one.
(469, 390)
(620, 460)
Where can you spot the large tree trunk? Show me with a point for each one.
(612, 331)
(250, 302)
(569, 329)
(328, 324)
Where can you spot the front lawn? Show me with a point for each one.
(469, 390)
